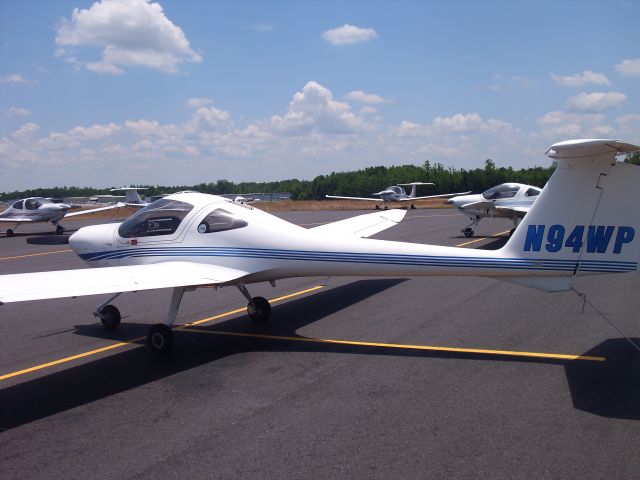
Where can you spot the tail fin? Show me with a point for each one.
(587, 217)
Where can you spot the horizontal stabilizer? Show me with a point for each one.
(363, 226)
(94, 281)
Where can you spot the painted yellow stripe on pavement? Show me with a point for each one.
(495, 235)
(69, 359)
(138, 339)
(509, 353)
(36, 254)
(244, 309)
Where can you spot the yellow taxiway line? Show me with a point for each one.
(189, 327)
(509, 353)
(138, 339)
(36, 254)
(495, 235)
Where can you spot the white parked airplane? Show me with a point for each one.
(508, 200)
(581, 224)
(131, 196)
(396, 193)
(39, 209)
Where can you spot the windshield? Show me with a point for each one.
(162, 217)
(506, 190)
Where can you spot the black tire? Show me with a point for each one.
(413, 207)
(110, 317)
(386, 207)
(9, 232)
(160, 339)
(59, 230)
(377, 207)
(468, 232)
(259, 309)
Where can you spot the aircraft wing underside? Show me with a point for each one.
(94, 281)
(16, 220)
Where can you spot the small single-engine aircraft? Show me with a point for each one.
(507, 200)
(396, 193)
(581, 224)
(39, 209)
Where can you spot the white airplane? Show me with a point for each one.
(507, 200)
(581, 224)
(396, 193)
(131, 196)
(39, 209)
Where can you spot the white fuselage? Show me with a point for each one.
(270, 248)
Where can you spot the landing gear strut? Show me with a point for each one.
(258, 308)
(468, 230)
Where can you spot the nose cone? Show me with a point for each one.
(92, 239)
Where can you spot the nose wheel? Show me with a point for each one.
(59, 229)
(468, 232)
(9, 232)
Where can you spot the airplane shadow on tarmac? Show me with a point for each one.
(48, 239)
(611, 388)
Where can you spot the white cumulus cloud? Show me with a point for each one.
(17, 112)
(15, 78)
(131, 33)
(629, 67)
(199, 102)
(580, 79)
(362, 97)
(314, 110)
(349, 34)
(596, 101)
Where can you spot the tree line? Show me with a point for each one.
(359, 183)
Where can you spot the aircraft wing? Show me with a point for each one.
(442, 195)
(93, 281)
(355, 198)
(480, 205)
(94, 210)
(519, 210)
(363, 226)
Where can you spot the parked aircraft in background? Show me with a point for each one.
(508, 200)
(131, 196)
(39, 209)
(581, 224)
(396, 193)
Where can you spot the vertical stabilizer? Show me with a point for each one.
(587, 217)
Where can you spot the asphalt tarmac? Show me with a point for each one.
(423, 378)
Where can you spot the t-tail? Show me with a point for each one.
(586, 218)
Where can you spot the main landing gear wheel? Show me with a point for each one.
(9, 232)
(110, 317)
(468, 232)
(259, 309)
(160, 339)
(377, 207)
(59, 230)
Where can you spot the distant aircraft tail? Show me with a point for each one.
(587, 217)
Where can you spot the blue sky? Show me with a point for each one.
(181, 92)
